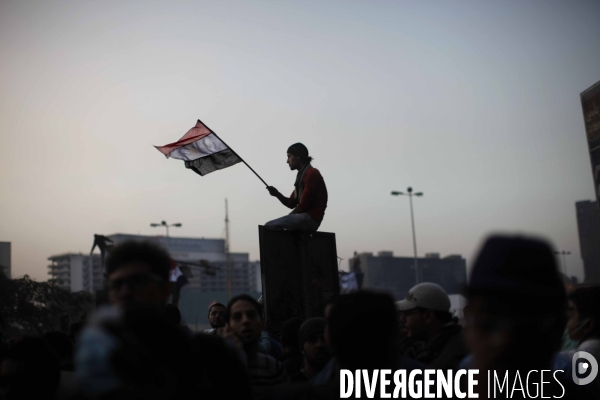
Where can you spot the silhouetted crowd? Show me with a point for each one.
(519, 322)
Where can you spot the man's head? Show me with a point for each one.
(312, 342)
(297, 156)
(216, 315)
(138, 275)
(425, 309)
(360, 345)
(245, 319)
(289, 334)
(517, 304)
(171, 315)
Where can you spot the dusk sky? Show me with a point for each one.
(474, 103)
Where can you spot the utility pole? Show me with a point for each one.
(410, 195)
(227, 256)
(164, 223)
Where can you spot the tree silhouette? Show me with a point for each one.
(38, 307)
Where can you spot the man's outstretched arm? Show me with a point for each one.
(286, 201)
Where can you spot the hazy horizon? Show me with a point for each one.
(476, 104)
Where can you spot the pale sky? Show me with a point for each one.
(474, 103)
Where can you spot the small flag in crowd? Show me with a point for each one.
(348, 282)
(202, 150)
(177, 276)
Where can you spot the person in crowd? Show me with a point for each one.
(292, 358)
(216, 317)
(29, 370)
(583, 320)
(516, 317)
(314, 349)
(356, 343)
(221, 372)
(309, 198)
(172, 316)
(347, 328)
(399, 316)
(131, 348)
(407, 346)
(426, 314)
(244, 329)
(138, 275)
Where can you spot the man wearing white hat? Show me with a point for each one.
(425, 312)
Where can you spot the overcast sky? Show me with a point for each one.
(474, 103)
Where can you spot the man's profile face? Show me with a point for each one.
(293, 161)
(134, 284)
(413, 322)
(216, 316)
(245, 321)
(315, 350)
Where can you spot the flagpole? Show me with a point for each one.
(233, 151)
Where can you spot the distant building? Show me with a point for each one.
(245, 274)
(396, 275)
(76, 272)
(5, 258)
(588, 225)
(72, 271)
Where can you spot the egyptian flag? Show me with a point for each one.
(177, 276)
(202, 150)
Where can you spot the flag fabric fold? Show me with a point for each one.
(202, 151)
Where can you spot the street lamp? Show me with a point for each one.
(163, 223)
(564, 254)
(410, 195)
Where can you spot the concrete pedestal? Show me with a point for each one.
(299, 273)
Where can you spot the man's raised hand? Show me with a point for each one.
(273, 191)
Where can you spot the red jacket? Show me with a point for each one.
(314, 195)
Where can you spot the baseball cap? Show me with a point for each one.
(425, 295)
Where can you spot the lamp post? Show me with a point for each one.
(410, 195)
(564, 254)
(163, 223)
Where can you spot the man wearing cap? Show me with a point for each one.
(426, 313)
(309, 198)
(314, 349)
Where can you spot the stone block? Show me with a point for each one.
(299, 273)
